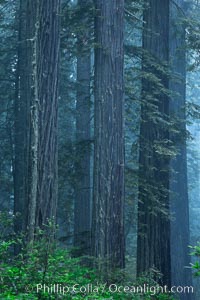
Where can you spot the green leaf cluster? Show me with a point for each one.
(44, 262)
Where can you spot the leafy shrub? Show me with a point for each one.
(44, 270)
(196, 266)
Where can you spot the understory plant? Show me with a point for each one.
(45, 270)
(196, 266)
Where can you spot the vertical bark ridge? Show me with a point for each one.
(153, 208)
(108, 207)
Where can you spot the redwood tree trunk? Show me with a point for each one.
(153, 208)
(22, 113)
(43, 115)
(108, 202)
(178, 179)
(22, 103)
(82, 209)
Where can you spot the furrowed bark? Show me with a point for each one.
(108, 202)
(82, 209)
(153, 209)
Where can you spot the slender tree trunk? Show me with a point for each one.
(108, 203)
(33, 26)
(19, 186)
(178, 180)
(82, 212)
(22, 121)
(153, 209)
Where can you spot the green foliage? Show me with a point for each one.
(196, 266)
(34, 275)
(41, 263)
(43, 270)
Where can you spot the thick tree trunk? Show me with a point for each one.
(47, 45)
(108, 206)
(36, 103)
(178, 177)
(82, 209)
(153, 208)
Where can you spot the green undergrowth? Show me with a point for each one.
(44, 270)
(196, 253)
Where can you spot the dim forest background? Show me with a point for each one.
(99, 147)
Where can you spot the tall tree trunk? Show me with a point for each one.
(44, 14)
(82, 212)
(153, 208)
(108, 203)
(19, 186)
(22, 119)
(178, 179)
(32, 36)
